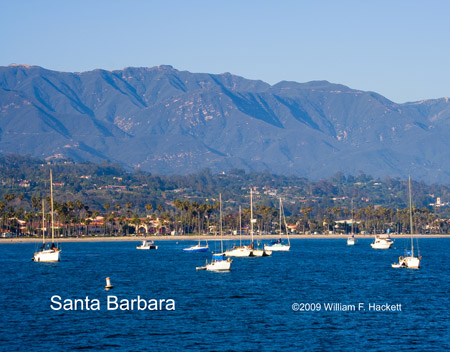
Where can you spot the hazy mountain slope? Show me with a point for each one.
(169, 121)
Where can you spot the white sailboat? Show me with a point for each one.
(351, 241)
(239, 251)
(197, 248)
(48, 252)
(410, 261)
(256, 252)
(278, 245)
(218, 262)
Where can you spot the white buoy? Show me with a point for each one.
(108, 284)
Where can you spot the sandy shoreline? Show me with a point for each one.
(196, 238)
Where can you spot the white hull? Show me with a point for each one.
(382, 243)
(147, 247)
(277, 247)
(261, 253)
(219, 265)
(258, 252)
(407, 262)
(47, 255)
(196, 248)
(239, 252)
(351, 241)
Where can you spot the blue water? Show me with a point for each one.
(247, 309)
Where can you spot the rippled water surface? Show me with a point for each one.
(247, 309)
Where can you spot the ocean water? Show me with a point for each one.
(247, 309)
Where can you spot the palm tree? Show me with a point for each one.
(149, 207)
(29, 217)
(128, 205)
(111, 220)
(2, 209)
(306, 211)
(36, 202)
(136, 221)
(86, 221)
(9, 197)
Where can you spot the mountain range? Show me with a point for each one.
(167, 121)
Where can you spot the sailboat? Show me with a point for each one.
(48, 252)
(256, 252)
(218, 262)
(278, 245)
(409, 261)
(239, 251)
(197, 248)
(351, 241)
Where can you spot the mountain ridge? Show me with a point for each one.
(167, 121)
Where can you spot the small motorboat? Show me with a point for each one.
(147, 245)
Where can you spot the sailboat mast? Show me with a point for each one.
(410, 217)
(43, 223)
(251, 214)
(352, 218)
(285, 223)
(240, 226)
(280, 218)
(220, 210)
(51, 205)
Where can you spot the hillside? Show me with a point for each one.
(175, 122)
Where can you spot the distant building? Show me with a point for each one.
(339, 198)
(439, 203)
(24, 183)
(114, 187)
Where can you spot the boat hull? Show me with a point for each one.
(196, 249)
(277, 247)
(219, 265)
(47, 255)
(239, 252)
(412, 262)
(408, 262)
(382, 243)
(147, 247)
(351, 241)
(261, 253)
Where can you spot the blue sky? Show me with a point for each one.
(398, 48)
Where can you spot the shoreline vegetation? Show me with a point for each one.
(96, 200)
(200, 237)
